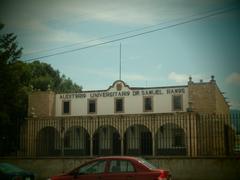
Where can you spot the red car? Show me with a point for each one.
(116, 168)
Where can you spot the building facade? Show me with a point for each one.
(124, 120)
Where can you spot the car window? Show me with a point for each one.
(146, 163)
(117, 166)
(93, 168)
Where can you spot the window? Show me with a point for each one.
(148, 104)
(177, 103)
(119, 106)
(117, 166)
(93, 167)
(66, 107)
(92, 106)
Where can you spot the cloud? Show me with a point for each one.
(135, 77)
(109, 73)
(140, 12)
(132, 58)
(30, 18)
(179, 78)
(233, 78)
(134, 12)
(64, 36)
(159, 66)
(48, 36)
(122, 12)
(183, 78)
(125, 16)
(235, 104)
(104, 72)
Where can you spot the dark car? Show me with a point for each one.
(12, 172)
(116, 168)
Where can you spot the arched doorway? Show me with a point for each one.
(170, 139)
(106, 141)
(76, 141)
(48, 142)
(138, 140)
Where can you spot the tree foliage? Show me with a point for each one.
(44, 76)
(9, 51)
(17, 80)
(10, 89)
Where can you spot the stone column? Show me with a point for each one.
(192, 135)
(91, 145)
(122, 146)
(153, 146)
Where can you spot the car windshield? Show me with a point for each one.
(146, 163)
(93, 168)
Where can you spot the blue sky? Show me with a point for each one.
(167, 57)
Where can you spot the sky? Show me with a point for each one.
(170, 40)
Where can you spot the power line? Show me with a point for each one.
(135, 35)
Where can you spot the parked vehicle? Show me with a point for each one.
(12, 172)
(116, 168)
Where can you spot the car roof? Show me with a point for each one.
(118, 157)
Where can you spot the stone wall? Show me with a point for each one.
(202, 97)
(205, 97)
(221, 104)
(41, 104)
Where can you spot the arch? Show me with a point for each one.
(106, 141)
(170, 139)
(137, 140)
(48, 142)
(76, 141)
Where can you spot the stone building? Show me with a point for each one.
(124, 120)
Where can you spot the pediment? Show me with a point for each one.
(118, 85)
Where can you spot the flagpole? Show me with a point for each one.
(120, 62)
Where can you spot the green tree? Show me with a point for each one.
(43, 76)
(16, 81)
(9, 51)
(10, 91)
